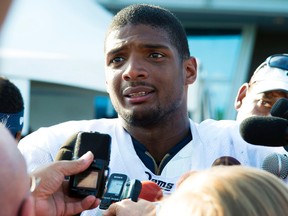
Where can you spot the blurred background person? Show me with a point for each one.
(11, 107)
(47, 184)
(219, 190)
(16, 198)
(268, 84)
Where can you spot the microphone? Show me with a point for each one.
(265, 131)
(92, 180)
(276, 164)
(280, 108)
(66, 150)
(226, 161)
(99, 144)
(150, 191)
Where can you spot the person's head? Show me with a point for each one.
(228, 191)
(268, 84)
(15, 197)
(11, 107)
(148, 65)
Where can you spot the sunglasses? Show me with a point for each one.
(278, 61)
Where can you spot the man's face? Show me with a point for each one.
(144, 74)
(259, 104)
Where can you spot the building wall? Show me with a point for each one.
(53, 103)
(268, 43)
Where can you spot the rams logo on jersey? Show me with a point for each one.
(167, 186)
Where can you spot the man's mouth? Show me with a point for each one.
(137, 94)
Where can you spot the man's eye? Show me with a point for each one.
(264, 103)
(117, 60)
(156, 55)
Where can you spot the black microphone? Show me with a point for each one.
(66, 150)
(226, 161)
(99, 144)
(265, 131)
(92, 180)
(276, 164)
(280, 108)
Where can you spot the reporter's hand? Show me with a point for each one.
(127, 207)
(51, 195)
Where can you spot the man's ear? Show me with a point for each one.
(241, 95)
(190, 66)
(28, 207)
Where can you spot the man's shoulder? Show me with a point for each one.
(218, 124)
(42, 145)
(85, 125)
(60, 132)
(218, 129)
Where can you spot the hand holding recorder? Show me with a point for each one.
(92, 180)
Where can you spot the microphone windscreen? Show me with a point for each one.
(276, 164)
(226, 161)
(265, 131)
(99, 144)
(66, 150)
(280, 108)
(151, 191)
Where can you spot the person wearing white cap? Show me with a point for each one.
(268, 84)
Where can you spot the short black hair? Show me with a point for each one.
(11, 100)
(157, 17)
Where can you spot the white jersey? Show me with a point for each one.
(211, 140)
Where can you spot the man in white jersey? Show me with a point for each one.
(148, 71)
(255, 98)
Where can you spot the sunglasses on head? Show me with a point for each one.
(278, 61)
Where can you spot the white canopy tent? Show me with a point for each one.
(56, 41)
(59, 41)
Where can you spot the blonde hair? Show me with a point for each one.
(229, 191)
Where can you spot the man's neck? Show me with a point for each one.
(160, 139)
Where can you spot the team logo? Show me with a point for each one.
(167, 186)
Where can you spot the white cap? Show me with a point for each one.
(267, 78)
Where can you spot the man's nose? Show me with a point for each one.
(135, 70)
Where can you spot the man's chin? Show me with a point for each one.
(142, 120)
